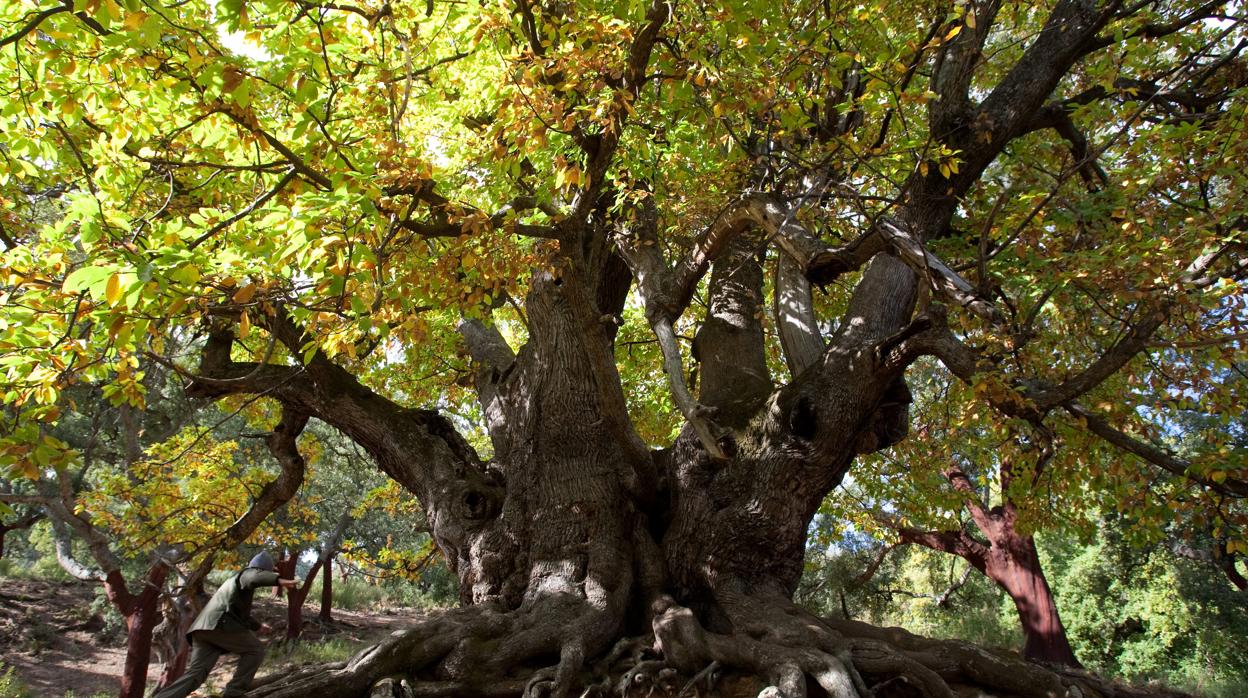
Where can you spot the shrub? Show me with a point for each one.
(11, 686)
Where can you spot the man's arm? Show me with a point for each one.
(253, 578)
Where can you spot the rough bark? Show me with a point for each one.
(170, 639)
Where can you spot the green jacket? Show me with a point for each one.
(230, 607)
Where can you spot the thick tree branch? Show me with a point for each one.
(1156, 30)
(800, 338)
(1107, 364)
(282, 444)
(730, 345)
(945, 281)
(1065, 37)
(495, 361)
(1163, 459)
(971, 499)
(1058, 118)
(638, 247)
(951, 542)
(819, 263)
(955, 65)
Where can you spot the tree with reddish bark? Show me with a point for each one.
(592, 230)
(324, 563)
(1010, 559)
(997, 539)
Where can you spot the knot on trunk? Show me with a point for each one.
(476, 505)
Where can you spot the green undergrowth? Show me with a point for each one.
(361, 595)
(11, 686)
(330, 649)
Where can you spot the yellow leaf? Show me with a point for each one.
(112, 292)
(957, 29)
(244, 326)
(245, 293)
(1218, 476)
(134, 20)
(970, 19)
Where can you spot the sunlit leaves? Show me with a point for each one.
(186, 492)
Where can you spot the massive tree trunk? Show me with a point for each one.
(582, 555)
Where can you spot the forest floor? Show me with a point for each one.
(59, 646)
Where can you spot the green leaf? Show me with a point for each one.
(84, 278)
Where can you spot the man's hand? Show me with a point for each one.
(288, 583)
(265, 629)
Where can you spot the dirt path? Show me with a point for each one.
(56, 643)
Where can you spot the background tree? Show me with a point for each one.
(150, 493)
(1033, 194)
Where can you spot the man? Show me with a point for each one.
(226, 626)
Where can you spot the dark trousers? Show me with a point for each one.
(207, 646)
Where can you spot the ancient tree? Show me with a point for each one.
(782, 208)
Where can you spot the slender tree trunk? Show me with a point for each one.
(175, 666)
(1014, 565)
(140, 612)
(294, 603)
(285, 566)
(327, 590)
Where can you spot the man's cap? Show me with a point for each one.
(262, 561)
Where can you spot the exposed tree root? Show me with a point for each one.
(780, 651)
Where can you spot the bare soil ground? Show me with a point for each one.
(57, 644)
